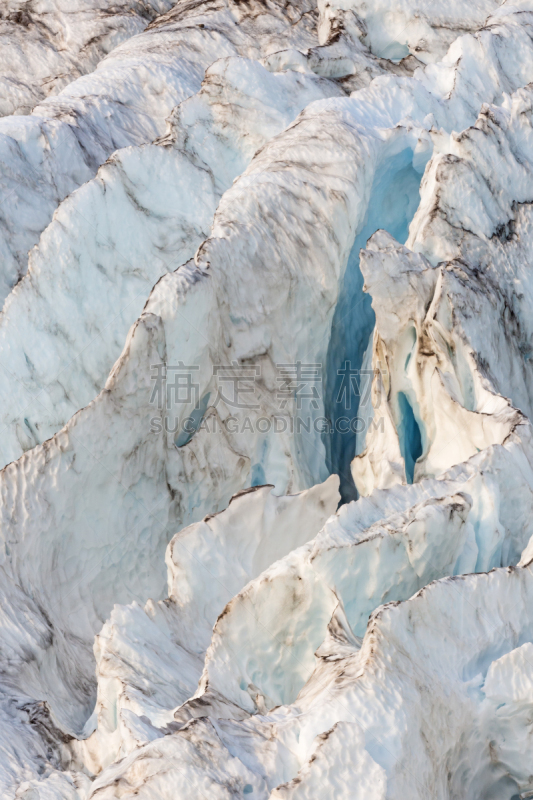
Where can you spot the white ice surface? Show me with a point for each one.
(46, 44)
(56, 351)
(144, 214)
(125, 101)
(208, 563)
(301, 651)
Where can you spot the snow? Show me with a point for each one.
(152, 207)
(46, 45)
(248, 186)
(208, 563)
(125, 101)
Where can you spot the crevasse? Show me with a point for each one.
(347, 605)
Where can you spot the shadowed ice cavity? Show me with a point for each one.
(394, 199)
(409, 435)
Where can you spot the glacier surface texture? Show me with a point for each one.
(266, 399)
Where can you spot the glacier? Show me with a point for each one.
(306, 594)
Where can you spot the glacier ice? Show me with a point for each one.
(165, 196)
(46, 45)
(124, 101)
(208, 563)
(340, 185)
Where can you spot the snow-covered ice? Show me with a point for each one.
(344, 187)
(46, 45)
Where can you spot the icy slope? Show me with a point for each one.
(151, 207)
(300, 649)
(421, 28)
(435, 700)
(207, 564)
(46, 45)
(125, 101)
(53, 347)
